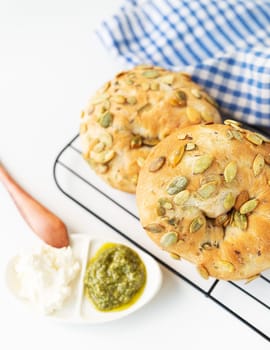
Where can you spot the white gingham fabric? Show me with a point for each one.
(223, 44)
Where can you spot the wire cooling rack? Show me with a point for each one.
(248, 302)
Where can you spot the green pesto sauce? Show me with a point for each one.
(115, 277)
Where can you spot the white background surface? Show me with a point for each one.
(49, 65)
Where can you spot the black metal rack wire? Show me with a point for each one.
(71, 176)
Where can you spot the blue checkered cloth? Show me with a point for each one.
(223, 44)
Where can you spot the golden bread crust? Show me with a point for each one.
(132, 113)
(211, 204)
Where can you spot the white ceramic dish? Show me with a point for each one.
(77, 308)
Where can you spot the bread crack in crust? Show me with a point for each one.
(132, 113)
(212, 207)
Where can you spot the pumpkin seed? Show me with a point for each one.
(118, 99)
(229, 201)
(229, 134)
(130, 81)
(165, 202)
(106, 138)
(242, 198)
(229, 221)
(86, 155)
(181, 136)
(105, 120)
(221, 219)
(207, 190)
(179, 99)
(236, 127)
(196, 93)
(150, 74)
(230, 171)
(203, 271)
(224, 265)
(154, 86)
(237, 135)
(136, 142)
(207, 116)
(154, 228)
(184, 137)
(101, 168)
(161, 211)
(232, 122)
(175, 256)
(99, 147)
(206, 245)
(156, 164)
(167, 79)
(176, 156)
(106, 86)
(178, 184)
(134, 179)
(82, 114)
(99, 99)
(169, 239)
(254, 138)
(240, 220)
(196, 224)
(145, 86)
(202, 163)
(83, 128)
(90, 109)
(131, 100)
(131, 75)
(258, 164)
(194, 116)
(190, 146)
(182, 97)
(210, 178)
(231, 217)
(145, 108)
(102, 157)
(173, 221)
(249, 206)
(151, 141)
(106, 106)
(181, 197)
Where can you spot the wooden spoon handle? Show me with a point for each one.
(43, 222)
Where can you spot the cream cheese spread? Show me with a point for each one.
(45, 276)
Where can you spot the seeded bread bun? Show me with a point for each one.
(204, 195)
(132, 113)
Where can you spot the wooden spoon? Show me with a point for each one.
(43, 222)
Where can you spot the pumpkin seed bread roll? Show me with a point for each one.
(204, 195)
(132, 113)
